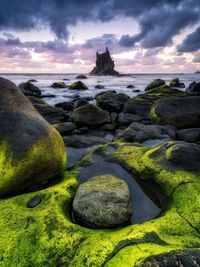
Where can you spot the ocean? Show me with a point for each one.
(139, 81)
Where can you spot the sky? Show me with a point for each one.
(62, 36)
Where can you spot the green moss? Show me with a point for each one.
(17, 171)
(45, 235)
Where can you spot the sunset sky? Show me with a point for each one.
(143, 36)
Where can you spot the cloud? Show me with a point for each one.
(191, 43)
(196, 58)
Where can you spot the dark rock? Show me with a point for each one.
(99, 86)
(113, 96)
(154, 84)
(183, 258)
(80, 102)
(136, 91)
(104, 65)
(176, 83)
(182, 112)
(130, 86)
(35, 201)
(127, 118)
(79, 140)
(66, 79)
(90, 115)
(138, 132)
(29, 89)
(65, 127)
(47, 96)
(32, 81)
(103, 201)
(78, 86)
(189, 135)
(113, 116)
(59, 85)
(141, 104)
(68, 106)
(33, 150)
(81, 77)
(194, 88)
(108, 127)
(110, 105)
(81, 130)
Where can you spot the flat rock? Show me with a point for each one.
(80, 140)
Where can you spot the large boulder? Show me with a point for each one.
(90, 115)
(141, 104)
(32, 151)
(103, 201)
(189, 135)
(176, 83)
(138, 132)
(181, 112)
(60, 85)
(30, 89)
(81, 77)
(154, 84)
(78, 86)
(194, 88)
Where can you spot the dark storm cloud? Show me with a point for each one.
(191, 43)
(159, 20)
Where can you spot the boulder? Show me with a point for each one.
(112, 95)
(176, 83)
(103, 201)
(189, 135)
(90, 115)
(104, 65)
(182, 112)
(194, 88)
(29, 89)
(127, 118)
(138, 132)
(79, 140)
(130, 86)
(65, 127)
(67, 106)
(81, 77)
(59, 85)
(141, 104)
(110, 105)
(155, 83)
(32, 151)
(99, 86)
(80, 102)
(78, 86)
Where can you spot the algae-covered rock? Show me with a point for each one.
(176, 83)
(31, 150)
(155, 83)
(90, 115)
(181, 112)
(103, 201)
(142, 103)
(78, 86)
(59, 85)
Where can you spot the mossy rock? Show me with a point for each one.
(78, 86)
(154, 84)
(118, 97)
(31, 150)
(45, 235)
(59, 85)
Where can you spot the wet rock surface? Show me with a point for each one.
(103, 201)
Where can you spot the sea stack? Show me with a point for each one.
(104, 64)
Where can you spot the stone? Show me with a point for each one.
(110, 105)
(189, 135)
(113, 96)
(80, 102)
(182, 112)
(29, 89)
(32, 81)
(194, 88)
(108, 127)
(103, 201)
(65, 127)
(78, 86)
(79, 140)
(59, 85)
(176, 83)
(90, 115)
(32, 151)
(127, 118)
(104, 65)
(138, 132)
(35, 201)
(81, 77)
(68, 106)
(154, 84)
(141, 104)
(99, 86)
(130, 86)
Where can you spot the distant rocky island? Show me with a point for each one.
(197, 72)
(104, 64)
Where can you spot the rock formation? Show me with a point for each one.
(104, 65)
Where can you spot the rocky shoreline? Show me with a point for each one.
(154, 136)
